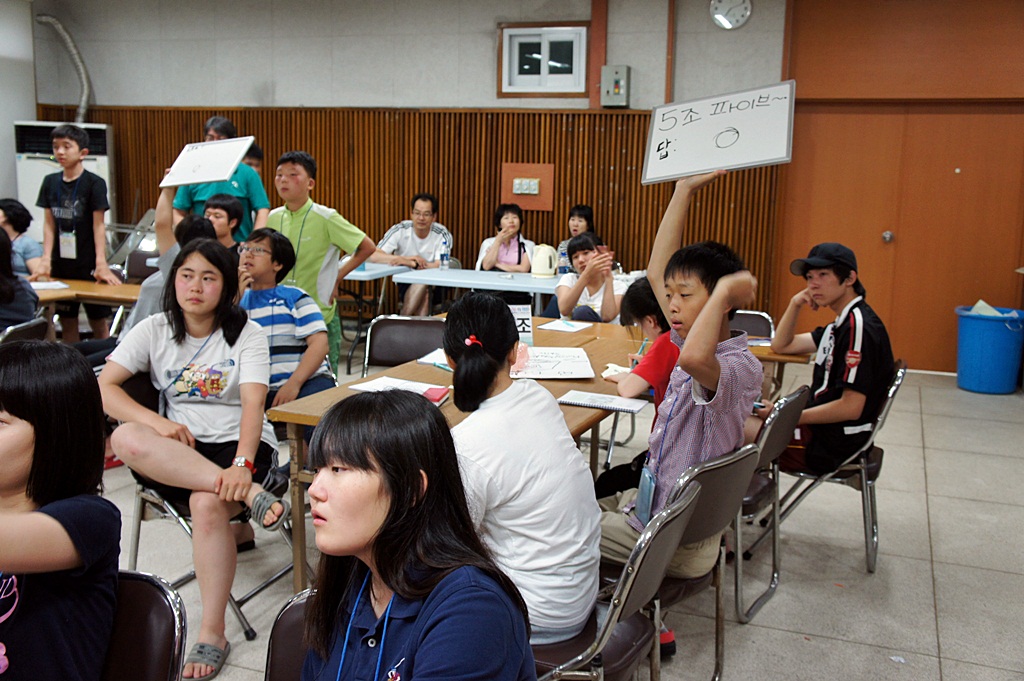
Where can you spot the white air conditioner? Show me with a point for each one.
(34, 160)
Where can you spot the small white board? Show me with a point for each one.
(738, 130)
(204, 162)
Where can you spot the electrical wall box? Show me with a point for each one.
(526, 185)
(615, 86)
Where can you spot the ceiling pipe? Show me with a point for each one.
(76, 60)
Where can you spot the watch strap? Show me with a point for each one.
(242, 461)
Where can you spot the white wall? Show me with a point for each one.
(17, 83)
(388, 53)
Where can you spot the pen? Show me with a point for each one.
(442, 366)
(640, 351)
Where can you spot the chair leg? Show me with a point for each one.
(870, 504)
(133, 549)
(719, 614)
(611, 441)
(655, 655)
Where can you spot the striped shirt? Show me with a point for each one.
(693, 425)
(401, 240)
(287, 316)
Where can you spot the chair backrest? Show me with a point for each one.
(899, 373)
(778, 428)
(33, 329)
(454, 264)
(393, 339)
(723, 483)
(148, 640)
(754, 322)
(136, 266)
(285, 651)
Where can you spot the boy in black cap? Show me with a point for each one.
(853, 363)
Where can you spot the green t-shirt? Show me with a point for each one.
(245, 185)
(320, 237)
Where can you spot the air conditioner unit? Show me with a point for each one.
(34, 160)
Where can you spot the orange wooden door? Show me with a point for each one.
(947, 181)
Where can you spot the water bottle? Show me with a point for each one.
(445, 256)
(563, 262)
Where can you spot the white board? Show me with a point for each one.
(204, 162)
(738, 130)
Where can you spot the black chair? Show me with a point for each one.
(33, 329)
(137, 266)
(286, 651)
(393, 339)
(859, 471)
(148, 639)
(616, 650)
(149, 501)
(763, 492)
(755, 323)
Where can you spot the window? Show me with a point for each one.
(548, 60)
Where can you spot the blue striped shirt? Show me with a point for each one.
(288, 316)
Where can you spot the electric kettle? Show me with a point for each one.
(544, 261)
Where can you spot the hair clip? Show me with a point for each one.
(473, 339)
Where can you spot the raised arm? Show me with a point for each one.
(164, 223)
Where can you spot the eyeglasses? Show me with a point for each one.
(421, 214)
(255, 250)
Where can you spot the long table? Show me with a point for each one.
(522, 282)
(86, 292)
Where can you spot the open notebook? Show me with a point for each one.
(579, 398)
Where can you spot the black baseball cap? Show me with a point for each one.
(824, 255)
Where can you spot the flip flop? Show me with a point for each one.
(205, 653)
(263, 503)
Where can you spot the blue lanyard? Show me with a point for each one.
(348, 628)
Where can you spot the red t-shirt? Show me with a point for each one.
(657, 365)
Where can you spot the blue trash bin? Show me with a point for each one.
(988, 351)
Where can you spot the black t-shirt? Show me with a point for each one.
(73, 204)
(56, 625)
(855, 354)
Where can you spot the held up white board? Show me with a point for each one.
(207, 162)
(738, 130)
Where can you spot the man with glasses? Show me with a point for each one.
(415, 243)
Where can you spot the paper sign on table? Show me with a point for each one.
(738, 130)
(524, 322)
(548, 363)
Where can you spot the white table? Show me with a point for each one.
(368, 271)
(488, 281)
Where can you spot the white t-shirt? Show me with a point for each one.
(531, 495)
(593, 301)
(401, 240)
(200, 378)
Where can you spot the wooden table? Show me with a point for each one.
(86, 292)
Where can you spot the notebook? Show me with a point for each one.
(579, 398)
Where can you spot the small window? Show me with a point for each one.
(543, 60)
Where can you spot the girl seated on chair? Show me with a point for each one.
(58, 538)
(18, 301)
(404, 588)
(591, 293)
(529, 489)
(640, 308)
(211, 365)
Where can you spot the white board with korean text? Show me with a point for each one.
(738, 130)
(204, 162)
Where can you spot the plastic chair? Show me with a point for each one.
(148, 639)
(859, 471)
(33, 329)
(616, 650)
(394, 339)
(763, 492)
(147, 499)
(286, 652)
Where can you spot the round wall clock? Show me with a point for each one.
(730, 14)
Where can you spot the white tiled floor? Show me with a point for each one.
(944, 603)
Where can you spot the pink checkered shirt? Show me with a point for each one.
(695, 426)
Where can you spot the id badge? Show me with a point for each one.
(68, 246)
(645, 495)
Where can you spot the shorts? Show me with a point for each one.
(69, 308)
(220, 453)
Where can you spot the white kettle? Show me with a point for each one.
(544, 262)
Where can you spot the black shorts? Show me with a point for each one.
(70, 269)
(220, 453)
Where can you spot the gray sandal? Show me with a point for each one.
(206, 653)
(263, 502)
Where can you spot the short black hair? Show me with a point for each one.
(639, 302)
(227, 316)
(281, 250)
(302, 158)
(73, 133)
(193, 227)
(424, 196)
(230, 205)
(255, 151)
(587, 241)
(582, 210)
(708, 261)
(505, 208)
(52, 386)
(842, 273)
(17, 215)
(220, 125)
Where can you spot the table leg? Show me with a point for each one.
(380, 296)
(296, 447)
(537, 307)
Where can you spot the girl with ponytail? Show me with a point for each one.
(528, 488)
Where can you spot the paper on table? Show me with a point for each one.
(613, 369)
(579, 398)
(434, 357)
(388, 383)
(48, 285)
(547, 363)
(565, 325)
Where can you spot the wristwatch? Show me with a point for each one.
(242, 461)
